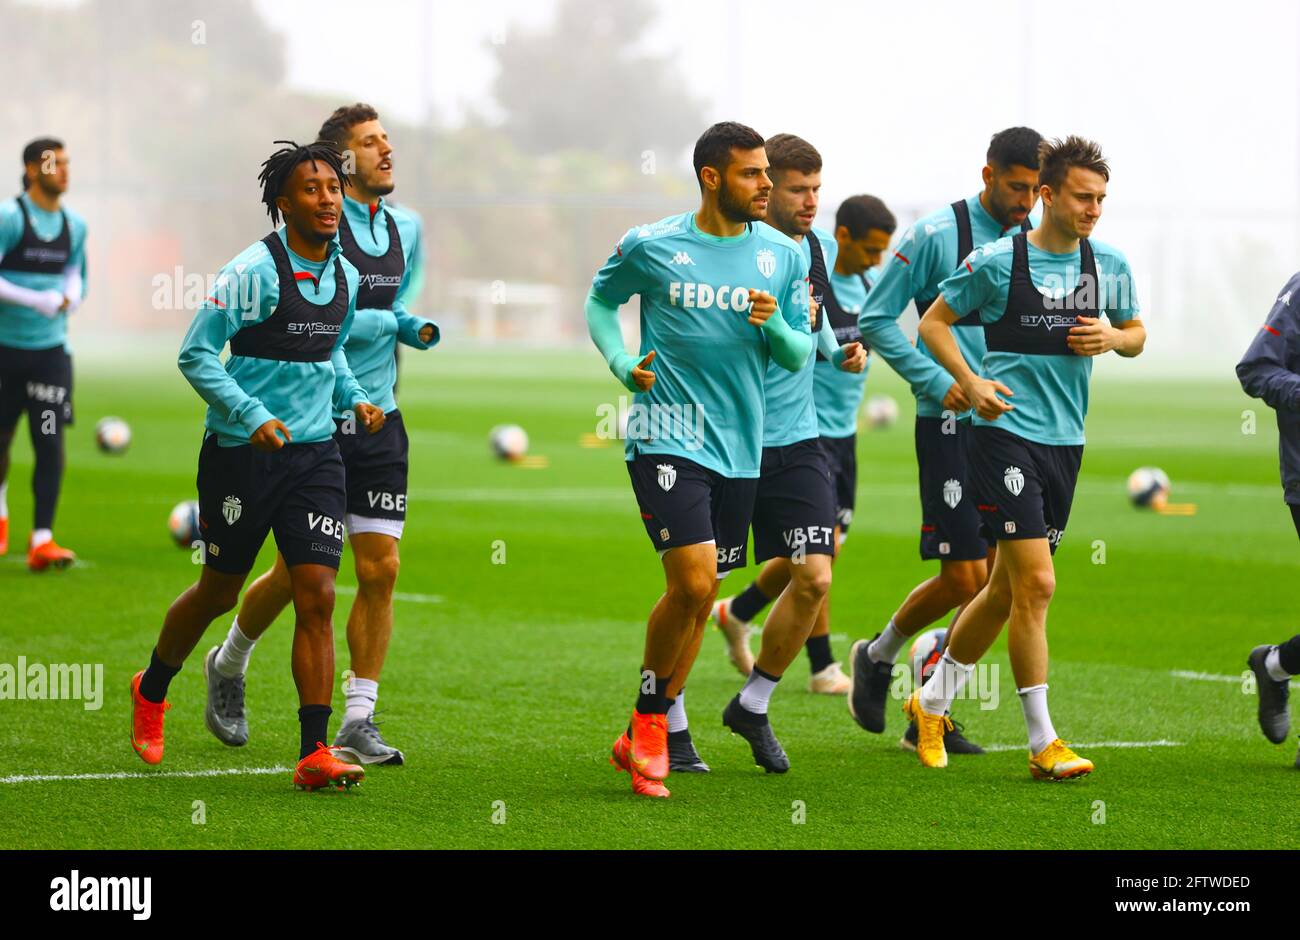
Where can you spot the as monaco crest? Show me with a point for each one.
(667, 476)
(952, 493)
(1015, 480)
(231, 508)
(766, 261)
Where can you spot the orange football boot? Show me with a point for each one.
(49, 555)
(620, 757)
(146, 723)
(321, 768)
(649, 752)
(4, 535)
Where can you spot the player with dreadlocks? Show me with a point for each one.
(384, 244)
(269, 462)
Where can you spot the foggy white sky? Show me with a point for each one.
(1194, 102)
(1196, 105)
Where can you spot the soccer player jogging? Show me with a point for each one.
(1270, 370)
(42, 278)
(269, 461)
(794, 507)
(383, 243)
(928, 252)
(863, 226)
(1040, 297)
(720, 297)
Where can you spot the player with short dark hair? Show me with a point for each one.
(269, 462)
(42, 281)
(383, 243)
(794, 506)
(1040, 297)
(1270, 371)
(929, 251)
(863, 226)
(713, 285)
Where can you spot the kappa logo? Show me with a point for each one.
(1014, 479)
(667, 476)
(1285, 299)
(231, 507)
(681, 258)
(952, 493)
(766, 261)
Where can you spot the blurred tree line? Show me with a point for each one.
(168, 108)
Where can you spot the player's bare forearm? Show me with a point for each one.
(1132, 339)
(936, 329)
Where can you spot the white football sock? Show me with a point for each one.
(361, 697)
(1033, 701)
(754, 696)
(884, 648)
(944, 685)
(677, 713)
(4, 502)
(41, 536)
(1273, 663)
(232, 659)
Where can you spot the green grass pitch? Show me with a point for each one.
(506, 683)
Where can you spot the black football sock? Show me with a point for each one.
(1288, 655)
(47, 474)
(680, 736)
(749, 603)
(154, 682)
(654, 702)
(314, 722)
(819, 652)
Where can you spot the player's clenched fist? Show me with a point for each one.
(761, 307)
(372, 416)
(955, 399)
(983, 395)
(265, 438)
(641, 375)
(855, 357)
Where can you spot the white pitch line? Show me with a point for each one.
(139, 775)
(397, 595)
(1203, 676)
(994, 748)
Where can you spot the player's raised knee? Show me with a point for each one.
(693, 588)
(219, 598)
(812, 580)
(962, 581)
(377, 574)
(1035, 587)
